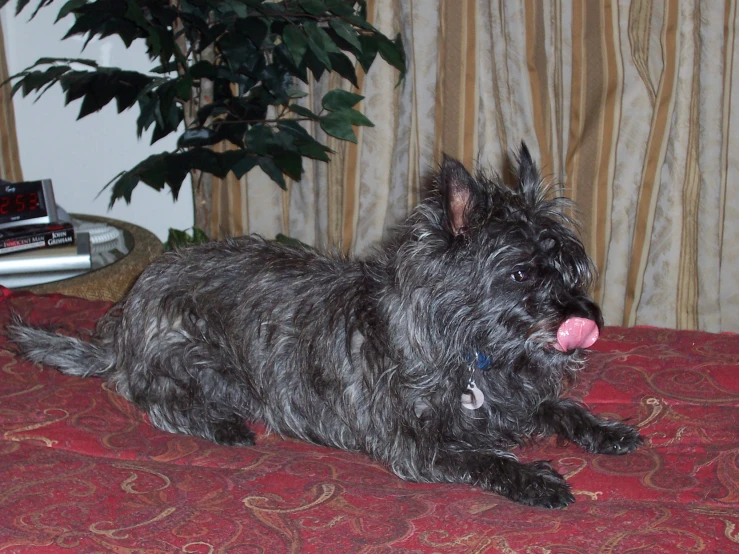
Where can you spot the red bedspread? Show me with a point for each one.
(82, 471)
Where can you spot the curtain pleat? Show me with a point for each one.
(628, 106)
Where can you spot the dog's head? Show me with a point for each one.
(499, 269)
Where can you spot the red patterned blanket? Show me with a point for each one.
(82, 470)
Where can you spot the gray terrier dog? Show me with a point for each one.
(435, 355)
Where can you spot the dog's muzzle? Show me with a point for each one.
(576, 332)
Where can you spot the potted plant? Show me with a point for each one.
(224, 70)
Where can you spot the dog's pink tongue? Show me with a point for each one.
(576, 332)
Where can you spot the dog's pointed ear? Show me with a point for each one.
(529, 180)
(458, 192)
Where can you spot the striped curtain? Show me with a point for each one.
(628, 106)
(10, 162)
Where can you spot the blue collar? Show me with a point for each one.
(479, 360)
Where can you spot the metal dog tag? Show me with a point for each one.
(473, 398)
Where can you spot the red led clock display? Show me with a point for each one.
(26, 203)
(19, 203)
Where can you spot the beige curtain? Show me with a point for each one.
(10, 163)
(629, 106)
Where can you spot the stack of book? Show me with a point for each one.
(35, 254)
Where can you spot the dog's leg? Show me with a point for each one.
(533, 484)
(198, 421)
(179, 376)
(576, 424)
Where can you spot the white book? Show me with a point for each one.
(55, 258)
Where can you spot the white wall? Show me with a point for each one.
(82, 156)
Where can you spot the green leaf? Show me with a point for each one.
(98, 88)
(259, 139)
(147, 113)
(290, 163)
(369, 51)
(305, 112)
(271, 9)
(317, 44)
(239, 8)
(165, 68)
(296, 42)
(319, 34)
(126, 97)
(177, 239)
(347, 32)
(339, 7)
(69, 7)
(183, 87)
(296, 93)
(203, 69)
(339, 99)
(272, 171)
(284, 139)
(102, 90)
(46, 61)
(313, 7)
(360, 21)
(105, 19)
(283, 58)
(123, 185)
(198, 136)
(314, 64)
(343, 66)
(205, 160)
(176, 173)
(244, 165)
(199, 235)
(292, 126)
(235, 47)
(284, 239)
(355, 118)
(38, 80)
(314, 150)
(255, 28)
(305, 143)
(153, 171)
(392, 52)
(337, 125)
(20, 5)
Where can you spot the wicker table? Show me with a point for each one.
(112, 281)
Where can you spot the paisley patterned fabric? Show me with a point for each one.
(83, 471)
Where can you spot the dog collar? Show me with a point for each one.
(479, 360)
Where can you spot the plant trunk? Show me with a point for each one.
(202, 183)
(201, 95)
(202, 200)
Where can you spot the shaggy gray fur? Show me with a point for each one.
(370, 355)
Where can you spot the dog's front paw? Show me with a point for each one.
(232, 433)
(616, 439)
(539, 485)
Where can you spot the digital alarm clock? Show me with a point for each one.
(26, 203)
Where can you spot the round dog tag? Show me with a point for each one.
(473, 398)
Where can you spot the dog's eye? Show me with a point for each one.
(519, 276)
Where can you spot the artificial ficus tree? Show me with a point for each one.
(223, 70)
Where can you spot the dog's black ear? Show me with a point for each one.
(529, 180)
(458, 190)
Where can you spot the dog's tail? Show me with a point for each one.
(72, 356)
